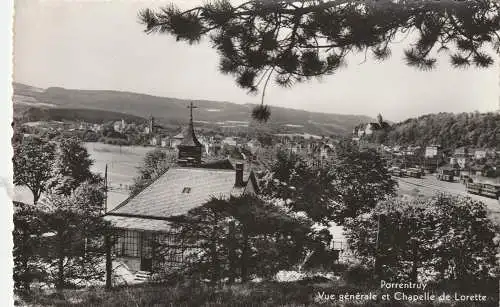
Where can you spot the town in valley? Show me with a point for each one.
(420, 168)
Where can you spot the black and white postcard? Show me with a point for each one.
(254, 153)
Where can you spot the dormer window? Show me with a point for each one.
(186, 190)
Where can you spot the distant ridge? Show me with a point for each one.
(172, 111)
(33, 114)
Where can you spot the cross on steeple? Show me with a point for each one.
(191, 107)
(190, 147)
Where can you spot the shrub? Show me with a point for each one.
(358, 275)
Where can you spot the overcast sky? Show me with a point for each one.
(101, 45)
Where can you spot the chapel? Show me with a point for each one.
(145, 217)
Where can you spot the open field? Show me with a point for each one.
(122, 164)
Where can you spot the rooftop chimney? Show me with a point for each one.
(239, 175)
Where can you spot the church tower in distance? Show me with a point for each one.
(151, 124)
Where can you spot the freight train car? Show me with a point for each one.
(413, 172)
(396, 171)
(484, 189)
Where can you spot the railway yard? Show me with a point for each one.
(429, 185)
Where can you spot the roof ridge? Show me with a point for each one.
(203, 168)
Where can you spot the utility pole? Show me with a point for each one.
(232, 253)
(109, 261)
(107, 235)
(106, 189)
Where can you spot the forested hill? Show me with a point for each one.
(450, 130)
(69, 104)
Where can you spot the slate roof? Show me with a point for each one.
(165, 198)
(137, 223)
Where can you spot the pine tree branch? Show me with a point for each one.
(265, 86)
(314, 28)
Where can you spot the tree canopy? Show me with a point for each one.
(32, 160)
(57, 240)
(293, 41)
(351, 185)
(247, 236)
(71, 167)
(478, 130)
(155, 163)
(75, 252)
(442, 238)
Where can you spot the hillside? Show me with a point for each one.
(480, 130)
(172, 111)
(33, 114)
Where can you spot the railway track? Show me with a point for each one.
(492, 204)
(436, 187)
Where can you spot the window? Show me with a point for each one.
(186, 190)
(127, 244)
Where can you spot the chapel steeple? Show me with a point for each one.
(190, 148)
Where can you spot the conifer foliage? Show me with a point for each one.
(293, 41)
(245, 236)
(155, 163)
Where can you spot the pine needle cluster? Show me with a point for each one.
(303, 39)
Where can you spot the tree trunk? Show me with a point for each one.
(26, 281)
(60, 264)
(414, 268)
(109, 263)
(215, 265)
(459, 266)
(24, 264)
(378, 265)
(232, 253)
(244, 257)
(36, 196)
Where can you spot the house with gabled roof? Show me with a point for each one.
(146, 217)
